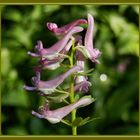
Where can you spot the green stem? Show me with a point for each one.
(72, 99)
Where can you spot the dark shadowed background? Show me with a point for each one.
(115, 80)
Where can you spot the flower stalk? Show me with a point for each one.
(72, 98)
(51, 58)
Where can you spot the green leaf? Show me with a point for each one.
(89, 96)
(51, 8)
(57, 97)
(80, 121)
(77, 121)
(13, 14)
(83, 74)
(16, 97)
(5, 63)
(130, 48)
(90, 70)
(77, 97)
(117, 23)
(17, 130)
(87, 120)
(20, 34)
(67, 122)
(86, 73)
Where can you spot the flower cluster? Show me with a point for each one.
(51, 58)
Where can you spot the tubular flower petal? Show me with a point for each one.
(94, 53)
(47, 87)
(55, 116)
(53, 51)
(65, 29)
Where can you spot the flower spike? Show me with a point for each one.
(76, 50)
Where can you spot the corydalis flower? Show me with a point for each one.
(54, 63)
(55, 116)
(88, 50)
(47, 87)
(94, 53)
(53, 51)
(65, 29)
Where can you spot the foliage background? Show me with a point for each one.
(116, 34)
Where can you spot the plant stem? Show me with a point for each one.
(72, 99)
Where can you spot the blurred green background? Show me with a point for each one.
(115, 80)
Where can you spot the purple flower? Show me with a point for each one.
(87, 49)
(94, 53)
(65, 29)
(47, 87)
(55, 116)
(55, 63)
(53, 51)
(82, 86)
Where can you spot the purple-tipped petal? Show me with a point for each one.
(94, 53)
(33, 54)
(29, 88)
(39, 46)
(52, 26)
(65, 29)
(38, 115)
(55, 116)
(36, 79)
(82, 86)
